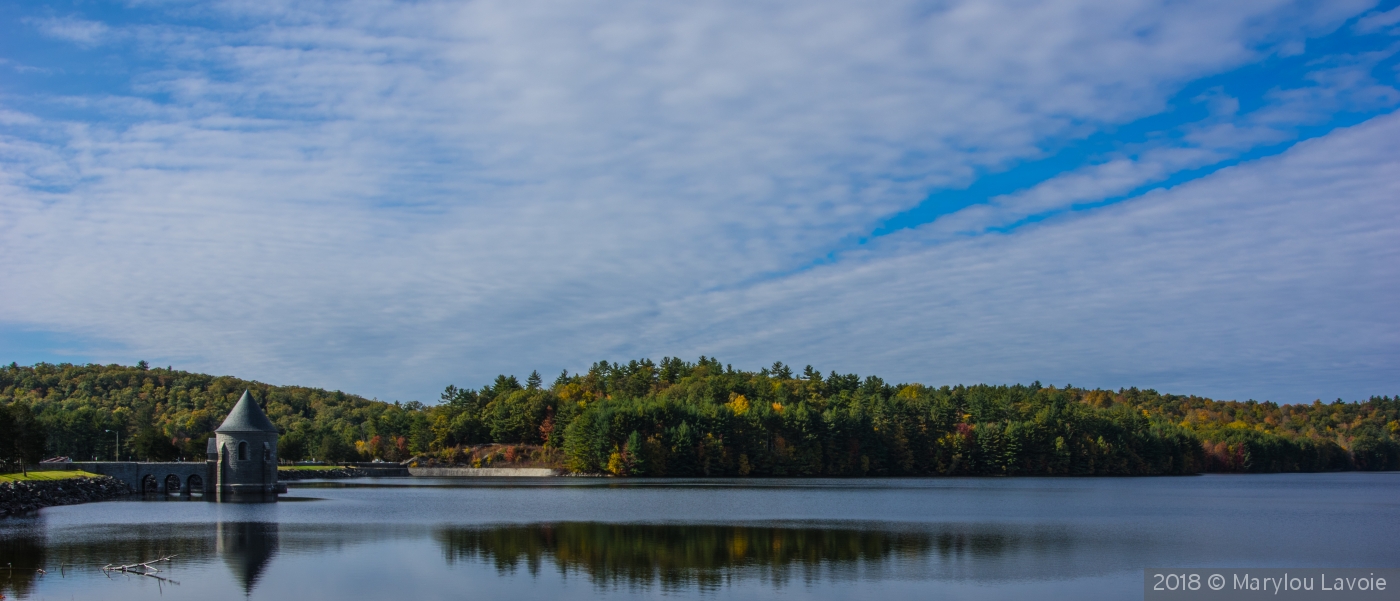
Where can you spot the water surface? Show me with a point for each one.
(583, 538)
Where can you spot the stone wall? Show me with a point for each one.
(335, 473)
(134, 472)
(479, 472)
(380, 470)
(28, 495)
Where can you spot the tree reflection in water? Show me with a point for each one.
(679, 556)
(245, 547)
(673, 556)
(22, 554)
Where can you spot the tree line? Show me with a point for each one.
(703, 418)
(23, 438)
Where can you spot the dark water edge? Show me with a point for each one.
(577, 538)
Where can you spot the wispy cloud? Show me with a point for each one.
(79, 31)
(1330, 85)
(1270, 280)
(1378, 21)
(388, 197)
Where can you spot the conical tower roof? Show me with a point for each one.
(247, 417)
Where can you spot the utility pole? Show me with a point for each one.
(117, 446)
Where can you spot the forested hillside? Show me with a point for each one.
(678, 418)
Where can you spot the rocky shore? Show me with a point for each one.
(23, 496)
(340, 472)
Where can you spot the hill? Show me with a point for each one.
(679, 418)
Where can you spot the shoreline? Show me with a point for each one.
(25, 496)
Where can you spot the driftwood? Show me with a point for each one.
(141, 569)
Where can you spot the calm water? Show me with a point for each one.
(578, 538)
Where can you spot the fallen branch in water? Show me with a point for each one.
(141, 569)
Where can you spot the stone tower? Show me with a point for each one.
(245, 452)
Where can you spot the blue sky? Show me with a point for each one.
(387, 197)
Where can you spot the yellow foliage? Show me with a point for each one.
(739, 405)
(1098, 398)
(910, 392)
(615, 463)
(1238, 425)
(441, 429)
(1393, 426)
(572, 392)
(778, 407)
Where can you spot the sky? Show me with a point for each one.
(380, 197)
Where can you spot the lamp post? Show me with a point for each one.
(117, 446)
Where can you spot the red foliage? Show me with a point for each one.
(1222, 457)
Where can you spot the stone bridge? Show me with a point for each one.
(170, 478)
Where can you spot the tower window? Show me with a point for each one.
(242, 450)
(267, 452)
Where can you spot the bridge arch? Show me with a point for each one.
(194, 484)
(172, 484)
(149, 484)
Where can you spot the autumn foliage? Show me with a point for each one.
(703, 418)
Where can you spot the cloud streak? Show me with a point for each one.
(1271, 280)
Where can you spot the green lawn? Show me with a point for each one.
(308, 468)
(47, 475)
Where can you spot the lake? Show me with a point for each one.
(586, 538)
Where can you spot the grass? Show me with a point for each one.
(47, 476)
(308, 468)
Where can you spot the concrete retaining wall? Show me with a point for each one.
(478, 472)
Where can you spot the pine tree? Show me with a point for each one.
(533, 382)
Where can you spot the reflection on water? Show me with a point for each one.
(23, 553)
(246, 548)
(558, 541)
(26, 549)
(682, 555)
(674, 555)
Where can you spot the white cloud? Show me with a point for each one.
(79, 31)
(1338, 83)
(386, 197)
(1272, 280)
(1377, 21)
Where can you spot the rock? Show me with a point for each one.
(337, 473)
(23, 496)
